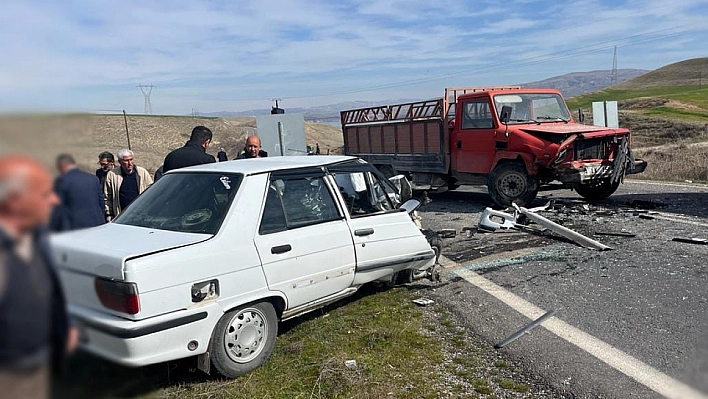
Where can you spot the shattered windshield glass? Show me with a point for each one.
(533, 107)
(184, 202)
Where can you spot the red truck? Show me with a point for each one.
(515, 141)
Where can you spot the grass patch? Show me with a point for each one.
(693, 94)
(675, 163)
(381, 331)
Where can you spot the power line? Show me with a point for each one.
(147, 91)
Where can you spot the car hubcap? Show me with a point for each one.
(244, 338)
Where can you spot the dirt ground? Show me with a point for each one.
(151, 137)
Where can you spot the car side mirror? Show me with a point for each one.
(411, 205)
(451, 124)
(505, 114)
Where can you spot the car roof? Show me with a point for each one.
(269, 164)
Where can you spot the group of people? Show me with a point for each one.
(35, 333)
(88, 201)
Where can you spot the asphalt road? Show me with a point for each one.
(640, 308)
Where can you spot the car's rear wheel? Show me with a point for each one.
(509, 183)
(597, 191)
(243, 339)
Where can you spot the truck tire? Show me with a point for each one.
(243, 339)
(597, 191)
(509, 183)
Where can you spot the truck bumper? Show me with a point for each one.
(140, 343)
(639, 167)
(592, 173)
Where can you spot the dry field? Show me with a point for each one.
(151, 137)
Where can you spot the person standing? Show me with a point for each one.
(193, 153)
(221, 155)
(107, 162)
(124, 183)
(81, 198)
(35, 336)
(252, 149)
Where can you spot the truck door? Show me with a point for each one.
(303, 239)
(474, 137)
(385, 238)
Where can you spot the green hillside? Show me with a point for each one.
(676, 91)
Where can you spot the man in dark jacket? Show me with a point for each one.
(193, 153)
(107, 162)
(80, 195)
(34, 331)
(252, 149)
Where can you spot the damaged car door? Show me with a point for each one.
(303, 239)
(385, 239)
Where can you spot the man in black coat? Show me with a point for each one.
(35, 336)
(193, 153)
(81, 196)
(107, 162)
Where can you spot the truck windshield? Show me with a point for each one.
(533, 107)
(184, 202)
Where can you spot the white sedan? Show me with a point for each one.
(209, 259)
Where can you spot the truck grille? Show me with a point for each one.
(592, 149)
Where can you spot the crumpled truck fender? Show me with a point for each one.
(528, 159)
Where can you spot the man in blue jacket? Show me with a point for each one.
(35, 336)
(80, 195)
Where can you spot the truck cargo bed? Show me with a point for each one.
(407, 137)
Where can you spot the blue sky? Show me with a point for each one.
(235, 55)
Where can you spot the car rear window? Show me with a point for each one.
(184, 202)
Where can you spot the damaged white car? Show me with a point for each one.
(210, 258)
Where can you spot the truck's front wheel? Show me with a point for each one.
(597, 191)
(509, 183)
(243, 339)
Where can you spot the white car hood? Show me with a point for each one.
(103, 250)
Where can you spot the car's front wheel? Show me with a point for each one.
(243, 339)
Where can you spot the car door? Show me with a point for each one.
(475, 137)
(385, 238)
(303, 238)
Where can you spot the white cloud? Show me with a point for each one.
(203, 54)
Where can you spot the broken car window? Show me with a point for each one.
(297, 202)
(363, 193)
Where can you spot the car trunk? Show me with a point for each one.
(84, 255)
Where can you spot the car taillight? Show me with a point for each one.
(117, 295)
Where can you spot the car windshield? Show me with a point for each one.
(184, 202)
(533, 107)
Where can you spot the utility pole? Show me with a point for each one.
(127, 133)
(613, 76)
(147, 90)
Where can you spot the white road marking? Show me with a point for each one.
(673, 218)
(656, 183)
(624, 363)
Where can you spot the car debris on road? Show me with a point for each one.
(493, 220)
(699, 241)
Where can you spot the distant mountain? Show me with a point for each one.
(323, 113)
(571, 84)
(683, 73)
(578, 83)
